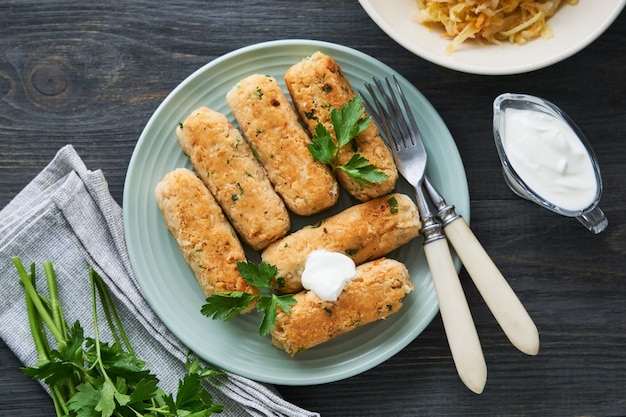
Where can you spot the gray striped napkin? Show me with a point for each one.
(67, 216)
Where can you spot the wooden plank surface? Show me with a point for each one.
(91, 74)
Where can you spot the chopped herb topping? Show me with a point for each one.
(317, 225)
(235, 197)
(393, 205)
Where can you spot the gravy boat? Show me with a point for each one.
(592, 217)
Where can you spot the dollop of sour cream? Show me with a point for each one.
(326, 273)
(550, 158)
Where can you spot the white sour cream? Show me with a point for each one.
(550, 158)
(326, 273)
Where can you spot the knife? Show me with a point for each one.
(502, 301)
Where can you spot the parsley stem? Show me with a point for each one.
(36, 311)
(95, 327)
(115, 324)
(93, 278)
(55, 305)
(59, 401)
(35, 324)
(32, 293)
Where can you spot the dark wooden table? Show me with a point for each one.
(91, 74)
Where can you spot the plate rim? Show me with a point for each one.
(444, 61)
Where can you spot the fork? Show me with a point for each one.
(410, 156)
(505, 306)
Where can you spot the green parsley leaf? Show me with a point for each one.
(258, 275)
(268, 305)
(189, 390)
(362, 171)
(84, 400)
(348, 122)
(227, 304)
(144, 390)
(51, 372)
(323, 147)
(106, 405)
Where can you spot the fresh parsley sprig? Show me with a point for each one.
(347, 124)
(228, 304)
(90, 378)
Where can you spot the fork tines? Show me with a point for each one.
(397, 121)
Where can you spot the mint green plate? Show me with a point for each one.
(171, 289)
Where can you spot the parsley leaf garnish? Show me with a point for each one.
(347, 124)
(225, 305)
(362, 171)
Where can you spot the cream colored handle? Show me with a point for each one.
(457, 319)
(493, 287)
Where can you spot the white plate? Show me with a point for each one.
(167, 282)
(573, 27)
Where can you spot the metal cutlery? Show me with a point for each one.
(410, 156)
(402, 132)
